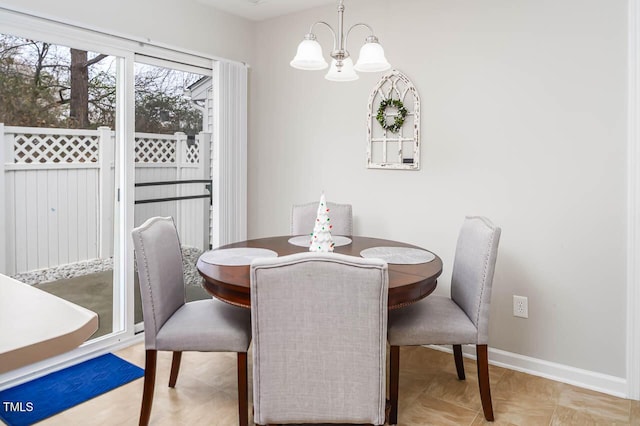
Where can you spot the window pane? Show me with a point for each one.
(170, 147)
(58, 109)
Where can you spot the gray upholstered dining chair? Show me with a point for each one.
(303, 218)
(171, 324)
(461, 319)
(319, 325)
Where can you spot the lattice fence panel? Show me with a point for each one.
(33, 148)
(155, 150)
(192, 152)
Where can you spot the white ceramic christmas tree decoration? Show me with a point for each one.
(321, 240)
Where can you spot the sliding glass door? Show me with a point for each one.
(58, 133)
(172, 166)
(97, 138)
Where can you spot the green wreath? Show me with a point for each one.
(398, 121)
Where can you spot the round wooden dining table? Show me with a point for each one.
(408, 283)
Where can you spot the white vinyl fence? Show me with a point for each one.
(170, 158)
(57, 192)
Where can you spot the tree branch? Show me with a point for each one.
(96, 59)
(62, 100)
(14, 47)
(53, 86)
(55, 66)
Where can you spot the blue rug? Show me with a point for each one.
(38, 399)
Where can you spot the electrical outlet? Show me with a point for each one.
(520, 306)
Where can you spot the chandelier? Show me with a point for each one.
(309, 54)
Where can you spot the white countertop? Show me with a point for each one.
(35, 325)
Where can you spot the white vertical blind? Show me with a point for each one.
(229, 154)
(633, 199)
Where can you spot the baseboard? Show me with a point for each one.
(599, 382)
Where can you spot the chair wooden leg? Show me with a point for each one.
(149, 384)
(457, 356)
(394, 383)
(175, 368)
(483, 381)
(243, 390)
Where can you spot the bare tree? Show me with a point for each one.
(79, 98)
(24, 81)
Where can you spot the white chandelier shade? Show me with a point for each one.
(345, 73)
(371, 59)
(309, 56)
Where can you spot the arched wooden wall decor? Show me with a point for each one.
(393, 124)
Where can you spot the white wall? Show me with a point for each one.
(523, 120)
(183, 24)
